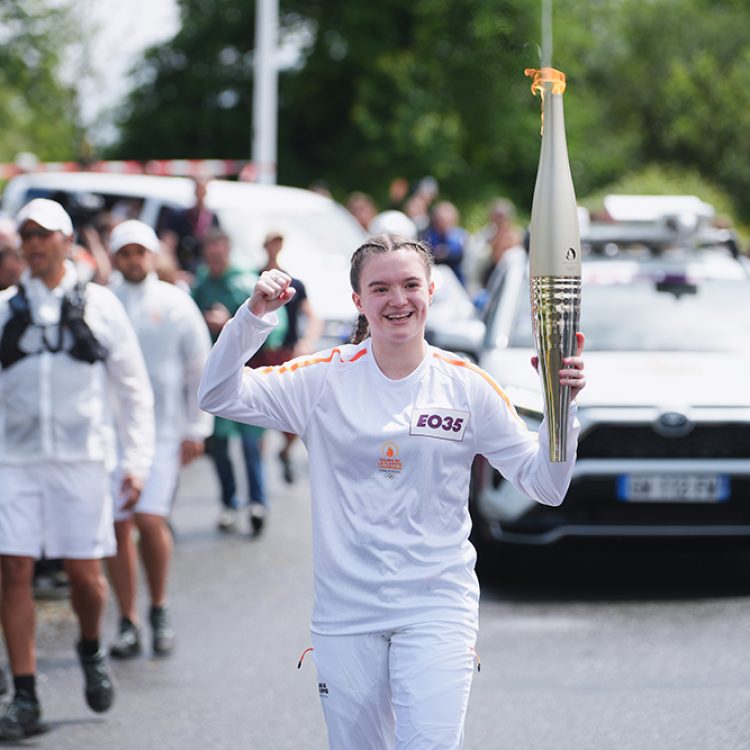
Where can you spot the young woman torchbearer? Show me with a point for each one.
(391, 426)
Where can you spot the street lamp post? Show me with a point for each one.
(265, 93)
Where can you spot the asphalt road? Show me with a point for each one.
(592, 649)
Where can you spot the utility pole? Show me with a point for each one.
(265, 91)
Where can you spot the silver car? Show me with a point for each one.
(664, 448)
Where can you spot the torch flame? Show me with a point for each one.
(546, 79)
(546, 75)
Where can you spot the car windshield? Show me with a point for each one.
(650, 316)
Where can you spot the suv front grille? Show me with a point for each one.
(641, 441)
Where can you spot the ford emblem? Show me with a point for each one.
(673, 424)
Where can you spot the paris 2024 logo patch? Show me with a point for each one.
(389, 463)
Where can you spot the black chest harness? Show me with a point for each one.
(86, 347)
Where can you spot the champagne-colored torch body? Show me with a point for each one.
(555, 259)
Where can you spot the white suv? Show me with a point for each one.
(664, 448)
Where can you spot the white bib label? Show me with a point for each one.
(446, 424)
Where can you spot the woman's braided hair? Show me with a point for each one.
(378, 245)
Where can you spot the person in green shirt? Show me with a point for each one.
(219, 289)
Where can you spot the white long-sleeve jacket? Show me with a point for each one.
(175, 342)
(56, 408)
(389, 466)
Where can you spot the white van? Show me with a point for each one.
(320, 235)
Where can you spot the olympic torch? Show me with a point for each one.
(555, 258)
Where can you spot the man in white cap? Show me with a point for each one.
(69, 358)
(175, 342)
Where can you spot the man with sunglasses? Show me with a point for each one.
(70, 365)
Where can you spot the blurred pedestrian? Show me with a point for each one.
(320, 187)
(185, 230)
(446, 238)
(362, 207)
(70, 362)
(493, 240)
(428, 188)
(303, 331)
(392, 426)
(398, 190)
(11, 263)
(417, 209)
(219, 289)
(174, 340)
(166, 269)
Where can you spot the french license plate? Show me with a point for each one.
(673, 488)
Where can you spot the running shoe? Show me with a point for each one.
(227, 519)
(128, 642)
(257, 518)
(21, 718)
(100, 692)
(163, 643)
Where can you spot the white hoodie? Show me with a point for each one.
(175, 342)
(56, 408)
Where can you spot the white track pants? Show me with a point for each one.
(399, 690)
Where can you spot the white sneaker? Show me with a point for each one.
(227, 520)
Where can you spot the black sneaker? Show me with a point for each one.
(163, 643)
(21, 718)
(257, 518)
(128, 641)
(100, 692)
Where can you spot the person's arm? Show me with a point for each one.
(279, 398)
(131, 389)
(100, 255)
(194, 348)
(520, 455)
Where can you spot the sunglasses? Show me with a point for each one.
(27, 234)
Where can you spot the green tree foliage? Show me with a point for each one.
(667, 82)
(382, 89)
(436, 87)
(193, 94)
(37, 111)
(429, 87)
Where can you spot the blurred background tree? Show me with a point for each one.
(378, 90)
(657, 82)
(38, 111)
(436, 87)
(372, 91)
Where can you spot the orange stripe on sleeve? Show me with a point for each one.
(469, 366)
(296, 364)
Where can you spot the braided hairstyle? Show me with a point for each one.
(378, 245)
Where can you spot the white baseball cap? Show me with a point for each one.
(133, 232)
(48, 214)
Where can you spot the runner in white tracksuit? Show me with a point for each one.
(391, 426)
(71, 368)
(174, 340)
